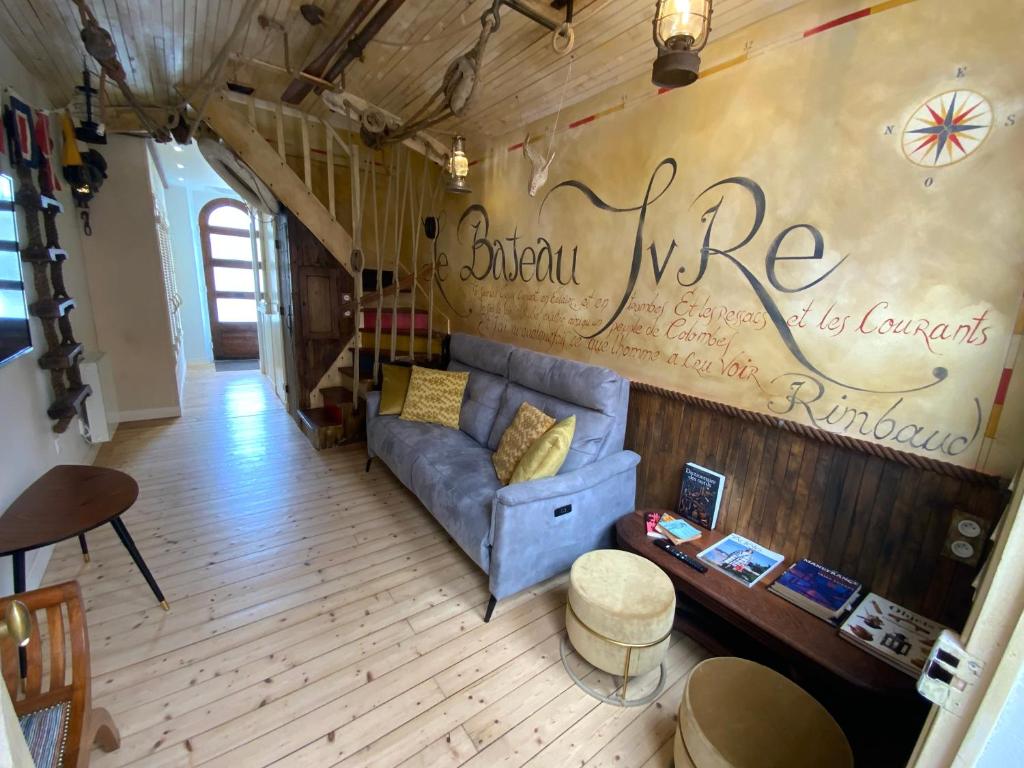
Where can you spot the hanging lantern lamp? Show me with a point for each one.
(458, 167)
(681, 30)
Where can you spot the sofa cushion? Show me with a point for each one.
(592, 427)
(457, 484)
(593, 387)
(546, 454)
(394, 388)
(482, 401)
(490, 356)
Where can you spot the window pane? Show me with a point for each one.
(6, 188)
(12, 305)
(8, 225)
(236, 310)
(229, 216)
(10, 266)
(230, 247)
(231, 279)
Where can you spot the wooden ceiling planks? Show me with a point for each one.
(165, 44)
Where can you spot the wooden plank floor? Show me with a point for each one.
(320, 617)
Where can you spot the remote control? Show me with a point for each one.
(697, 565)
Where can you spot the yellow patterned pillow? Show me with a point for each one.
(435, 396)
(527, 426)
(547, 453)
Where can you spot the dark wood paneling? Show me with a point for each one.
(876, 519)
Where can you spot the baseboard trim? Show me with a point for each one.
(149, 413)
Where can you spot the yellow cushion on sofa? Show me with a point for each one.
(435, 396)
(394, 388)
(547, 453)
(529, 424)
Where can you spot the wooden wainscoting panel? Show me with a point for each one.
(877, 519)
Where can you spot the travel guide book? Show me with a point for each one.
(817, 589)
(701, 495)
(742, 559)
(676, 529)
(889, 631)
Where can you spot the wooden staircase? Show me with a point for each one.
(397, 323)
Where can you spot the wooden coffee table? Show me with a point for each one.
(773, 622)
(68, 501)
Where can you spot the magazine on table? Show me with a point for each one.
(700, 496)
(742, 559)
(889, 631)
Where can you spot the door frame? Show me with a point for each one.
(205, 230)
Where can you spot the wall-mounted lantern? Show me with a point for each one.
(458, 167)
(681, 30)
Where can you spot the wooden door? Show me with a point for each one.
(317, 307)
(225, 232)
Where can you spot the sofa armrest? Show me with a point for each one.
(535, 491)
(372, 405)
(540, 527)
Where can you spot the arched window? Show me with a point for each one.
(230, 278)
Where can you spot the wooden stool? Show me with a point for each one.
(738, 714)
(619, 617)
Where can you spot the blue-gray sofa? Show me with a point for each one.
(524, 533)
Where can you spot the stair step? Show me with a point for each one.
(324, 429)
(52, 308)
(404, 284)
(41, 254)
(365, 374)
(388, 317)
(385, 334)
(61, 358)
(70, 404)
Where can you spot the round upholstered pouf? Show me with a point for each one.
(738, 714)
(618, 597)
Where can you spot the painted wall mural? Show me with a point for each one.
(760, 239)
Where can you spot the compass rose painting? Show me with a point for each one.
(947, 128)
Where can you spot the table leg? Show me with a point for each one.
(18, 560)
(85, 547)
(126, 539)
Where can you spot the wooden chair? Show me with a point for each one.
(57, 714)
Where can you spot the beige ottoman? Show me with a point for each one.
(738, 714)
(620, 611)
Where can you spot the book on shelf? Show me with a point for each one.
(700, 496)
(892, 633)
(676, 529)
(818, 590)
(742, 559)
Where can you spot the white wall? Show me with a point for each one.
(29, 447)
(1006, 743)
(183, 207)
(127, 286)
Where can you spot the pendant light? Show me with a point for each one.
(681, 30)
(458, 167)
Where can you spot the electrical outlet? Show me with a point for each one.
(965, 538)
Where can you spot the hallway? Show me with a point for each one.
(319, 616)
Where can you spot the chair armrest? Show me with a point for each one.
(540, 527)
(548, 488)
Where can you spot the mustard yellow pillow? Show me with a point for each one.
(394, 388)
(435, 396)
(547, 453)
(529, 424)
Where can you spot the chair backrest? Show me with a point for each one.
(58, 650)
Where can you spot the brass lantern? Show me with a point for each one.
(681, 30)
(458, 167)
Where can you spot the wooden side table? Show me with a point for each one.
(70, 500)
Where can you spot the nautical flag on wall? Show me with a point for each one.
(23, 149)
(48, 181)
